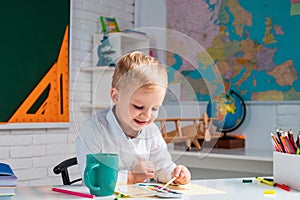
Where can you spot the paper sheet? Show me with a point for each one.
(133, 191)
(189, 190)
(194, 189)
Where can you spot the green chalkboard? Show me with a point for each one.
(31, 36)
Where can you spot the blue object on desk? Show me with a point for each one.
(7, 176)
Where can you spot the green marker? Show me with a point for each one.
(298, 151)
(247, 181)
(118, 196)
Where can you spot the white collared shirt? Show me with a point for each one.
(102, 134)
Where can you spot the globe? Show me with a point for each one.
(229, 111)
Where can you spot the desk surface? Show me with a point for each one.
(234, 190)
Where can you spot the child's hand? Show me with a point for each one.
(182, 173)
(142, 171)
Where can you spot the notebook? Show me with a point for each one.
(7, 190)
(8, 180)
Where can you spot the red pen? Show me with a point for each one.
(284, 187)
(79, 194)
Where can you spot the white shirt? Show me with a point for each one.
(102, 134)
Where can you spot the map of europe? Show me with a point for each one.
(254, 44)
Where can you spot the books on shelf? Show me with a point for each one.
(8, 180)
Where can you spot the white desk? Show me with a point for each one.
(225, 163)
(234, 190)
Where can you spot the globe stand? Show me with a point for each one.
(225, 136)
(230, 141)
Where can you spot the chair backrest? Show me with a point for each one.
(62, 168)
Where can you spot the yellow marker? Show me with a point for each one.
(270, 192)
(265, 181)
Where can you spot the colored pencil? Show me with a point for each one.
(292, 140)
(287, 145)
(276, 143)
(279, 140)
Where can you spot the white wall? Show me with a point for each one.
(33, 153)
(262, 117)
(147, 21)
(150, 13)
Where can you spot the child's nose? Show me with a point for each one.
(146, 114)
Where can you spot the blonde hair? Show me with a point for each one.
(135, 70)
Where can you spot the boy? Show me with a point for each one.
(138, 89)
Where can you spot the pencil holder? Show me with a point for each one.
(286, 169)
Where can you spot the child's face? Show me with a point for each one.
(136, 111)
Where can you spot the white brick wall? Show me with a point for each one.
(288, 116)
(33, 153)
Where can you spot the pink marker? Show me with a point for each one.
(79, 194)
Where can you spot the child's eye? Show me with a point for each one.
(155, 109)
(138, 107)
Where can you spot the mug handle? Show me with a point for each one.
(87, 174)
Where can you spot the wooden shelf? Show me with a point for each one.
(134, 36)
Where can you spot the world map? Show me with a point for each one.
(254, 44)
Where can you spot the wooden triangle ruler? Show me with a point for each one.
(55, 84)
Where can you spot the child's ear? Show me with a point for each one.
(114, 95)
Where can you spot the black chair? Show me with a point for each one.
(62, 168)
